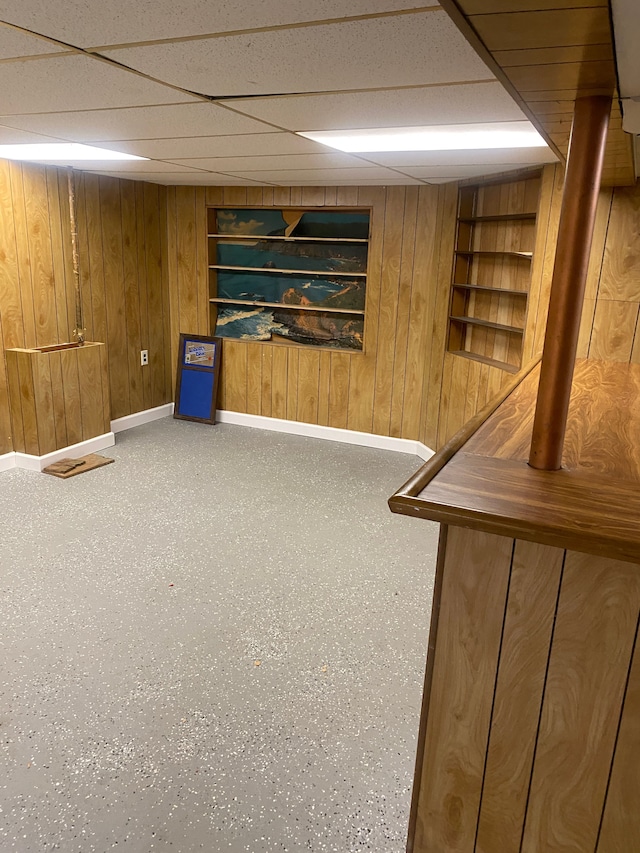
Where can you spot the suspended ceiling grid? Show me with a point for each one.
(213, 92)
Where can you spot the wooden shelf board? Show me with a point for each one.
(476, 321)
(325, 274)
(254, 237)
(278, 305)
(483, 359)
(523, 255)
(490, 289)
(499, 217)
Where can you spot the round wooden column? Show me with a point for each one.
(577, 217)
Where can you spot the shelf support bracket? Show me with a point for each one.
(575, 232)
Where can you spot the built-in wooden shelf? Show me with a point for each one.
(302, 307)
(522, 255)
(328, 274)
(484, 359)
(499, 217)
(482, 287)
(491, 330)
(254, 239)
(259, 304)
(488, 324)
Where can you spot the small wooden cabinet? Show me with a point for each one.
(496, 230)
(59, 396)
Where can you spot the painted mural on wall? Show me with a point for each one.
(308, 268)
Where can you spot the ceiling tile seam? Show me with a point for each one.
(403, 88)
(558, 8)
(235, 174)
(75, 51)
(297, 25)
(223, 99)
(37, 133)
(31, 56)
(39, 36)
(579, 62)
(101, 110)
(225, 104)
(552, 47)
(327, 153)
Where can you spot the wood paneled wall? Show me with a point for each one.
(611, 317)
(143, 253)
(403, 384)
(121, 230)
(383, 389)
(529, 729)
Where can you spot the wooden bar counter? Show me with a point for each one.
(530, 729)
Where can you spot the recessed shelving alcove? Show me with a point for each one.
(496, 228)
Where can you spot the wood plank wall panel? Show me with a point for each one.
(379, 390)
(610, 328)
(588, 668)
(121, 234)
(528, 628)
(621, 820)
(474, 589)
(532, 714)
(60, 397)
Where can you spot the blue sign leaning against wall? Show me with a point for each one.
(197, 379)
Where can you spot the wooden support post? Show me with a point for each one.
(577, 217)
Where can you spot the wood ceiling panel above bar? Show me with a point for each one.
(547, 53)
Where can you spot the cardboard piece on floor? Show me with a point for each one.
(65, 468)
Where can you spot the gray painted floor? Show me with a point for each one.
(137, 601)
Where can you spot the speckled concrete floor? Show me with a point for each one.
(217, 643)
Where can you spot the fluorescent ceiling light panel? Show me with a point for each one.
(62, 152)
(454, 137)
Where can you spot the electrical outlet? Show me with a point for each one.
(144, 357)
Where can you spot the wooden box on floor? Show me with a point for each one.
(59, 396)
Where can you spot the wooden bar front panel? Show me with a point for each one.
(531, 727)
(57, 398)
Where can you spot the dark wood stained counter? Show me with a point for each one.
(482, 481)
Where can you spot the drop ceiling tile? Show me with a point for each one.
(159, 122)
(74, 82)
(11, 136)
(278, 162)
(452, 104)
(199, 179)
(93, 22)
(402, 159)
(199, 151)
(14, 43)
(140, 166)
(358, 182)
(326, 176)
(412, 49)
(434, 173)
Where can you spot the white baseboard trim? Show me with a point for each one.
(346, 436)
(7, 461)
(100, 442)
(139, 418)
(91, 445)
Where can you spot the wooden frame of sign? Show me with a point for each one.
(197, 378)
